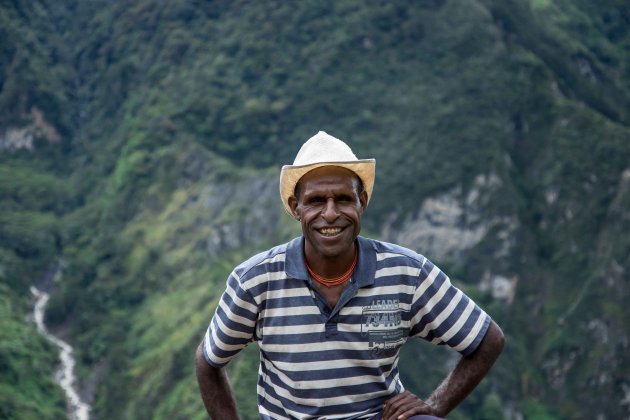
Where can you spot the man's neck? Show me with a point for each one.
(329, 266)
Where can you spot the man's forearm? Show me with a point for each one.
(468, 373)
(215, 389)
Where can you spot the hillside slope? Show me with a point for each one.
(140, 144)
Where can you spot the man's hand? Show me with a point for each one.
(458, 384)
(405, 405)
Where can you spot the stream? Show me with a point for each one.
(77, 409)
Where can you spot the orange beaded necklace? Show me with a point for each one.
(335, 281)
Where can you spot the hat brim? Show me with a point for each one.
(290, 175)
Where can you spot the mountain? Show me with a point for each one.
(140, 147)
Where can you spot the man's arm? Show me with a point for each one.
(458, 384)
(468, 373)
(215, 389)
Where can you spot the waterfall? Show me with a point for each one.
(77, 409)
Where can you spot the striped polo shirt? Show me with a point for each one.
(339, 363)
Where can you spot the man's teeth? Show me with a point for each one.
(330, 231)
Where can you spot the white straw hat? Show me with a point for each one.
(324, 150)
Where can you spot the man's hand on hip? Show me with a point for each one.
(405, 405)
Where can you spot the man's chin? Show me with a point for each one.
(334, 250)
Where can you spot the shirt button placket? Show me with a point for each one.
(331, 327)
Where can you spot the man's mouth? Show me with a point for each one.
(330, 231)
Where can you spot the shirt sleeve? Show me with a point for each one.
(443, 314)
(233, 324)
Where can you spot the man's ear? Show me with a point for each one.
(363, 199)
(293, 203)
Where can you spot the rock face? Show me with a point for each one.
(448, 225)
(236, 223)
(500, 287)
(442, 227)
(16, 138)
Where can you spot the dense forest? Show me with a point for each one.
(140, 148)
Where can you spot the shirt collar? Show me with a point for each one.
(295, 264)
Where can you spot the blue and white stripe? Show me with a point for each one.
(318, 363)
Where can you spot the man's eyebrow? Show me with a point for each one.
(311, 196)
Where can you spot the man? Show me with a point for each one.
(331, 309)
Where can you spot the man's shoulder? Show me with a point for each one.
(270, 260)
(387, 250)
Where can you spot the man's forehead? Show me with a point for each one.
(329, 171)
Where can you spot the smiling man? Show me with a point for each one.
(331, 309)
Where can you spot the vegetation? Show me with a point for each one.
(135, 138)
(27, 387)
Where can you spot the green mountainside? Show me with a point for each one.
(140, 147)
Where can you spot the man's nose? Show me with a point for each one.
(330, 213)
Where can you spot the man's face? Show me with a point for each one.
(329, 207)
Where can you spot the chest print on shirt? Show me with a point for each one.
(381, 324)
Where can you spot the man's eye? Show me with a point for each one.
(315, 200)
(345, 198)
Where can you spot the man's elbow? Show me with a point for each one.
(495, 339)
(200, 360)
